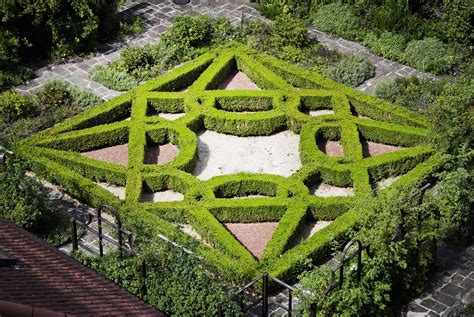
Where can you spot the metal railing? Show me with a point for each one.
(117, 226)
(265, 299)
(122, 234)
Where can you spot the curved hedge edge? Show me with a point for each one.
(391, 134)
(248, 210)
(396, 163)
(329, 208)
(293, 219)
(294, 261)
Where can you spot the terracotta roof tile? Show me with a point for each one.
(49, 282)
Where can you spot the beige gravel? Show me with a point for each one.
(331, 148)
(317, 113)
(164, 196)
(238, 81)
(222, 154)
(118, 191)
(326, 190)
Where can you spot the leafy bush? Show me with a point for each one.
(23, 203)
(177, 283)
(389, 45)
(289, 31)
(397, 268)
(134, 58)
(429, 54)
(188, 31)
(336, 18)
(132, 27)
(13, 105)
(112, 78)
(352, 70)
(388, 90)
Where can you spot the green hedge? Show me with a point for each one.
(289, 93)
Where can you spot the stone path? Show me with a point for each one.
(384, 69)
(452, 287)
(158, 15)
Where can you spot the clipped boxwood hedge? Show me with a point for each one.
(287, 96)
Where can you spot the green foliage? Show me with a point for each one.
(388, 44)
(51, 103)
(388, 90)
(132, 27)
(396, 269)
(352, 70)
(289, 31)
(336, 18)
(24, 203)
(13, 106)
(177, 283)
(429, 54)
(113, 79)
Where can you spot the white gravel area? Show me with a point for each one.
(307, 231)
(317, 113)
(222, 154)
(385, 183)
(171, 116)
(118, 191)
(164, 196)
(326, 190)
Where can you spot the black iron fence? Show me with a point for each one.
(124, 241)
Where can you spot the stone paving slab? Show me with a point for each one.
(451, 288)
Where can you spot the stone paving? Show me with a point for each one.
(451, 288)
(158, 15)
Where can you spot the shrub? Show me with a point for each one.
(132, 27)
(289, 31)
(23, 203)
(135, 58)
(112, 78)
(336, 18)
(381, 287)
(388, 90)
(188, 31)
(13, 105)
(389, 45)
(429, 54)
(177, 283)
(351, 70)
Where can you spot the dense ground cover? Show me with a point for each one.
(433, 36)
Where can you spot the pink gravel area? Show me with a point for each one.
(253, 236)
(331, 148)
(117, 154)
(238, 81)
(370, 149)
(161, 154)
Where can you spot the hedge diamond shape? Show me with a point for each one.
(372, 141)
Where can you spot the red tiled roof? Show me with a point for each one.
(49, 281)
